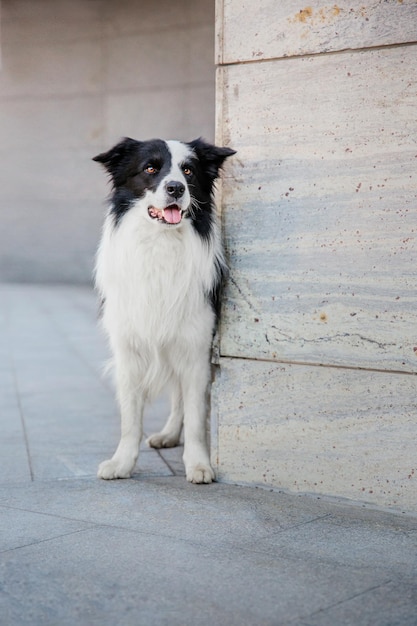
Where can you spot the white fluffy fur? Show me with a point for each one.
(153, 278)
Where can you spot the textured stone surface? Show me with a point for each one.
(315, 389)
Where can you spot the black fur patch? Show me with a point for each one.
(126, 163)
(205, 169)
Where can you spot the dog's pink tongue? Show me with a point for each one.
(172, 215)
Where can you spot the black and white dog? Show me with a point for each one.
(159, 268)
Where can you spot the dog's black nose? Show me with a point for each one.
(175, 189)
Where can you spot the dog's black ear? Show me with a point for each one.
(116, 160)
(211, 157)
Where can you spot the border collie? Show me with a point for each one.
(159, 268)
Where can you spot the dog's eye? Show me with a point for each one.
(187, 171)
(150, 169)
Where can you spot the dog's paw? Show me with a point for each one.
(199, 474)
(111, 469)
(161, 440)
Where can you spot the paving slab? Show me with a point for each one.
(154, 549)
(119, 577)
(392, 604)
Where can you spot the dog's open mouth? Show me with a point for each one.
(170, 215)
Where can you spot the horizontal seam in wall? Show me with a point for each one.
(317, 54)
(104, 92)
(315, 364)
(107, 36)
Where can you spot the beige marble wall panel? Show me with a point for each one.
(318, 209)
(340, 432)
(254, 31)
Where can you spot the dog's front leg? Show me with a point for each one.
(171, 432)
(196, 455)
(131, 402)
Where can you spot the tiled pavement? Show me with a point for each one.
(155, 549)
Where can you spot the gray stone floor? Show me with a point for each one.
(155, 549)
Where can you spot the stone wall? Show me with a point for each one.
(316, 385)
(76, 76)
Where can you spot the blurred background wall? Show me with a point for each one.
(76, 76)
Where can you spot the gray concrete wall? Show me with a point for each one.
(76, 76)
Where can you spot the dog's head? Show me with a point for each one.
(169, 180)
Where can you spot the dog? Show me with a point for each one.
(159, 269)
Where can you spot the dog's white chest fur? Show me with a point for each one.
(155, 282)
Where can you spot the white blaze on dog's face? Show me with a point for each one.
(171, 198)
